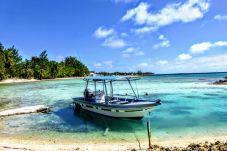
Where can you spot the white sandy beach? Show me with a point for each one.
(14, 143)
(13, 80)
(17, 81)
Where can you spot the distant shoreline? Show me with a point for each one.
(18, 80)
(190, 73)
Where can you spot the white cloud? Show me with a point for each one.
(126, 55)
(102, 32)
(97, 65)
(204, 46)
(184, 56)
(176, 12)
(104, 64)
(162, 37)
(138, 14)
(164, 42)
(144, 64)
(220, 17)
(200, 47)
(124, 34)
(145, 29)
(201, 64)
(139, 53)
(162, 62)
(220, 43)
(215, 63)
(129, 50)
(108, 63)
(114, 42)
(111, 37)
(124, 1)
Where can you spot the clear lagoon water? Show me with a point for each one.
(191, 107)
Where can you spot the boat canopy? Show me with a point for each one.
(111, 78)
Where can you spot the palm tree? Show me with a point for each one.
(79, 68)
(43, 64)
(9, 62)
(53, 69)
(35, 66)
(26, 70)
(2, 62)
(39, 67)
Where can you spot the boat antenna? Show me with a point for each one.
(132, 87)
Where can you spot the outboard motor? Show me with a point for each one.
(86, 93)
(158, 101)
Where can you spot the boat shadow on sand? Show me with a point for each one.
(77, 119)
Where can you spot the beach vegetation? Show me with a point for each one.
(39, 67)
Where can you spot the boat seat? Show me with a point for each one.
(99, 96)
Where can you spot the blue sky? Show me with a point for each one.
(168, 36)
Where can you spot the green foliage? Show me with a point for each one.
(2, 70)
(53, 67)
(226, 77)
(2, 62)
(38, 67)
(26, 70)
(15, 55)
(77, 68)
(61, 70)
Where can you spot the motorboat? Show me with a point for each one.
(99, 97)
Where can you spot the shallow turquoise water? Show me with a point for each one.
(190, 105)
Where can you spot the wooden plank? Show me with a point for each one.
(25, 110)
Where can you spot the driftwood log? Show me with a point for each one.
(25, 110)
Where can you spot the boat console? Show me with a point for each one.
(88, 95)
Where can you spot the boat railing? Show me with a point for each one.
(129, 95)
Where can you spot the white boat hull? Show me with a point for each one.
(117, 112)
